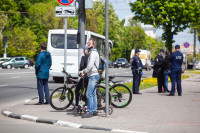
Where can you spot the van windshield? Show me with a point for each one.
(57, 41)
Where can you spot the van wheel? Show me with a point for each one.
(26, 66)
(9, 66)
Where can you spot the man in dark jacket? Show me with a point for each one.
(167, 70)
(159, 71)
(136, 71)
(176, 61)
(84, 80)
(42, 66)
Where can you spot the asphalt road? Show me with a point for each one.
(17, 85)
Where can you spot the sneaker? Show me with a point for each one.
(39, 103)
(87, 115)
(95, 113)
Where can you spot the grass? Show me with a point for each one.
(151, 82)
(193, 71)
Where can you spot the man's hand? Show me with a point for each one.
(81, 74)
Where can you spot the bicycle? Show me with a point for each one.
(121, 95)
(61, 98)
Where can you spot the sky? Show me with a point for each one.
(123, 11)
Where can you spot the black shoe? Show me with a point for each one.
(39, 103)
(87, 115)
(170, 95)
(95, 113)
(46, 103)
(138, 93)
(179, 94)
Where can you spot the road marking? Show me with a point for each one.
(3, 85)
(14, 77)
(16, 73)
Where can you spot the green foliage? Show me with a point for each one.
(172, 16)
(190, 58)
(21, 42)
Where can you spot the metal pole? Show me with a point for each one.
(65, 50)
(81, 27)
(194, 52)
(106, 56)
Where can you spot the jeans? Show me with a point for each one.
(91, 94)
(166, 75)
(42, 84)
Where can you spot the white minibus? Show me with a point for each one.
(55, 46)
(145, 57)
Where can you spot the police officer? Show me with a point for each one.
(136, 71)
(176, 61)
(159, 71)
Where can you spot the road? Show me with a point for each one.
(17, 85)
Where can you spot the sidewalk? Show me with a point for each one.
(150, 112)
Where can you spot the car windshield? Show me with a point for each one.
(10, 59)
(121, 60)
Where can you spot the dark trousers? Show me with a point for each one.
(42, 87)
(136, 81)
(79, 87)
(160, 80)
(176, 78)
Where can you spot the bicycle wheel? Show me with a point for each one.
(61, 98)
(101, 97)
(121, 95)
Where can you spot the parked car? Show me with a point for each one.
(121, 62)
(3, 60)
(16, 62)
(197, 65)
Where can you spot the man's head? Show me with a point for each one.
(177, 47)
(91, 43)
(137, 52)
(43, 46)
(162, 51)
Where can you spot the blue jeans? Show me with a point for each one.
(166, 75)
(91, 94)
(42, 84)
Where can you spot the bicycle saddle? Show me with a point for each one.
(111, 77)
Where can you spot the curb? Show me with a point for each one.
(61, 123)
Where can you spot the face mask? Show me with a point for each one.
(90, 48)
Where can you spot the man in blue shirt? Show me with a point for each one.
(176, 61)
(42, 66)
(136, 71)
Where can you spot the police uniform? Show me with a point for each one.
(159, 71)
(136, 71)
(176, 61)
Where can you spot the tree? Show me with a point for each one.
(21, 42)
(172, 16)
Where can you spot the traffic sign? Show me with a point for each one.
(186, 44)
(65, 2)
(65, 11)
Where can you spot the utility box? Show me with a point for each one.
(88, 4)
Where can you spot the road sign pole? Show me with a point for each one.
(106, 55)
(65, 50)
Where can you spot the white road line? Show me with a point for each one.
(14, 77)
(16, 73)
(3, 85)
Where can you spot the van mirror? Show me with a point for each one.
(110, 45)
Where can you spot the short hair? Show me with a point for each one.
(43, 46)
(167, 52)
(93, 41)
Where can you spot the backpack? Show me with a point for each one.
(101, 65)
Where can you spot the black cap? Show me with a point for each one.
(177, 47)
(137, 50)
(162, 50)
